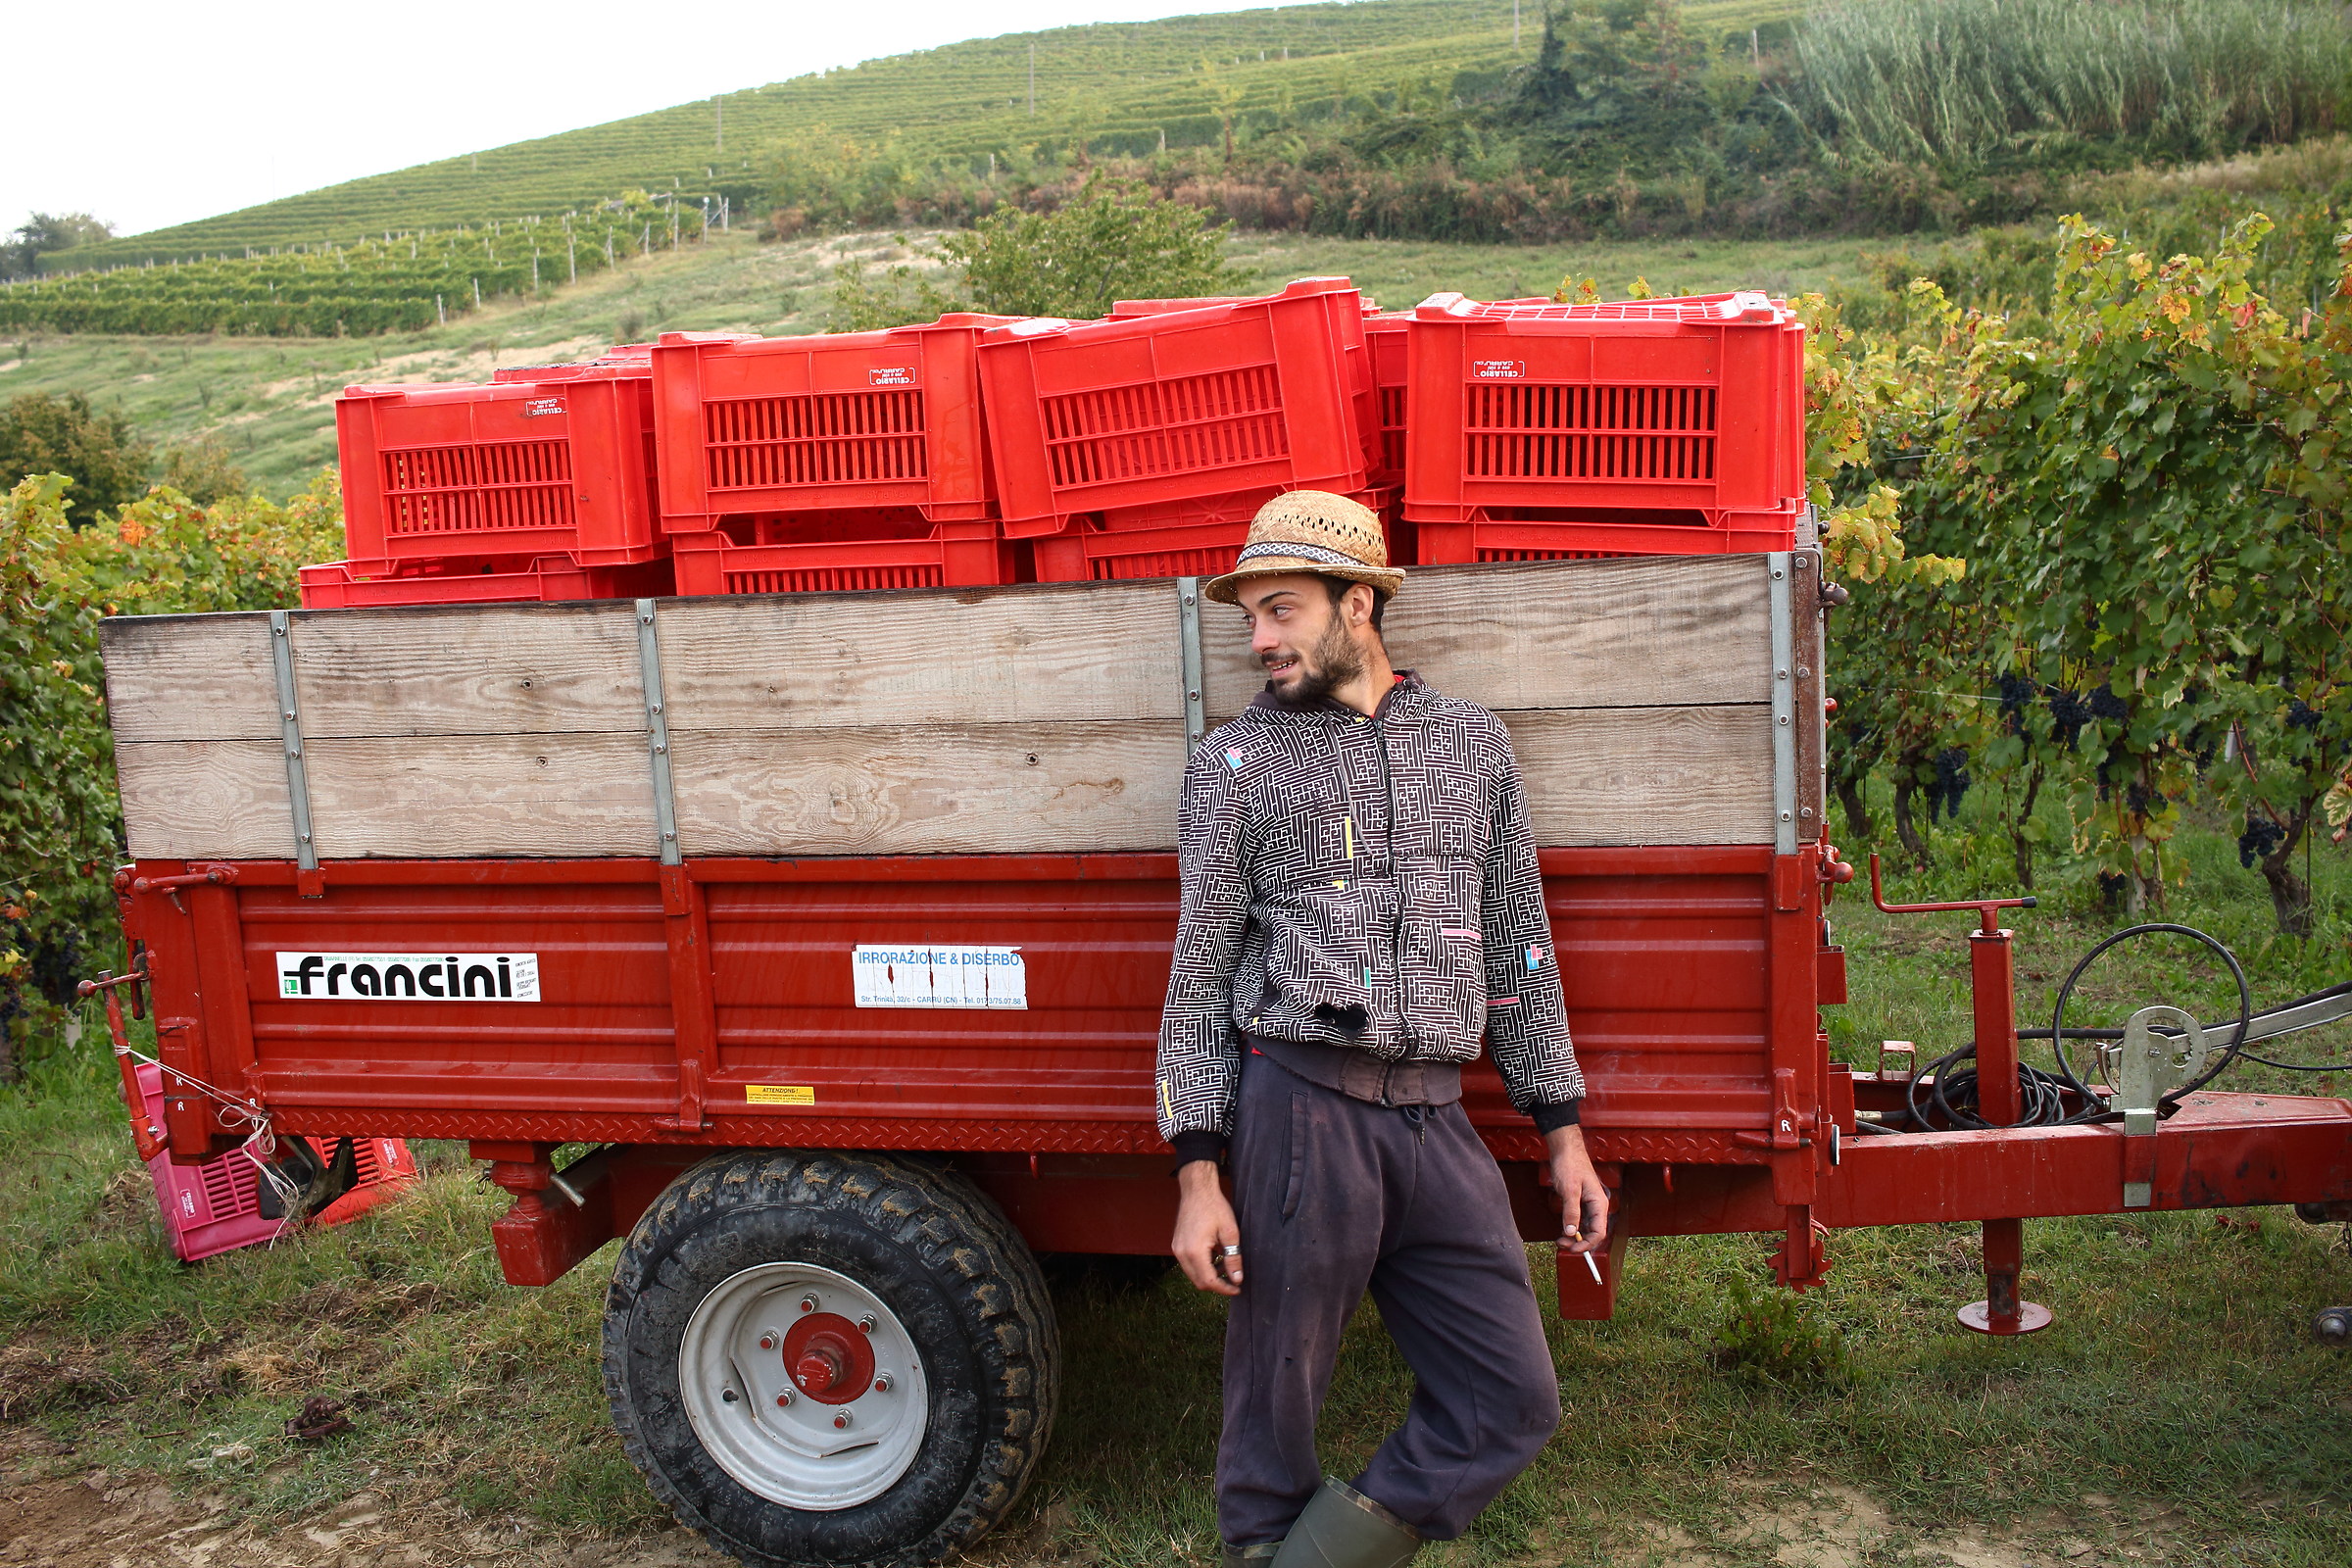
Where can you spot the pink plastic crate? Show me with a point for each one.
(348, 584)
(559, 462)
(1176, 407)
(213, 1206)
(1649, 426)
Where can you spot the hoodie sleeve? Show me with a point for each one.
(1200, 1050)
(1527, 1016)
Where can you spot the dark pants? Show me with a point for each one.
(1335, 1196)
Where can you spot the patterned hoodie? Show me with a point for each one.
(1361, 882)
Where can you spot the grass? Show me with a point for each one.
(269, 400)
(1118, 86)
(2177, 1409)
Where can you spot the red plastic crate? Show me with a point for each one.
(561, 462)
(637, 356)
(214, 1206)
(1195, 538)
(828, 423)
(1175, 407)
(1384, 335)
(789, 555)
(1655, 426)
(350, 584)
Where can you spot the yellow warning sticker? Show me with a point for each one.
(779, 1093)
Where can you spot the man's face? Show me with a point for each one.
(1300, 637)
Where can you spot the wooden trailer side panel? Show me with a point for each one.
(1043, 718)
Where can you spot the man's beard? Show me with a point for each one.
(1331, 664)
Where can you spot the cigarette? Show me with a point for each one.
(1578, 1235)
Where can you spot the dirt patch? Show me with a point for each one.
(103, 1520)
(1838, 1526)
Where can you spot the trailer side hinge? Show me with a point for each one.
(1188, 642)
(298, 778)
(1780, 567)
(657, 733)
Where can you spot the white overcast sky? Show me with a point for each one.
(148, 114)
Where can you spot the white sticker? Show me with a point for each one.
(890, 375)
(1498, 369)
(538, 407)
(939, 977)
(408, 976)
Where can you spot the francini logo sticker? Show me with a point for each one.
(536, 406)
(939, 977)
(1498, 369)
(408, 976)
(890, 375)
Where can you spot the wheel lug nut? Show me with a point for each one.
(785, 1398)
(809, 1303)
(767, 1341)
(882, 1383)
(865, 1324)
(840, 1421)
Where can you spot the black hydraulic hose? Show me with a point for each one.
(2237, 1039)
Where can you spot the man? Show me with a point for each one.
(1361, 906)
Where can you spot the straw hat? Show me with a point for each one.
(1312, 530)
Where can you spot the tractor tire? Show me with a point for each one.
(830, 1359)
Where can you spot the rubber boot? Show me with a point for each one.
(1342, 1528)
(1260, 1556)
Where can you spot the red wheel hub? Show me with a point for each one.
(828, 1358)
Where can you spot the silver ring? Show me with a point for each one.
(1229, 1252)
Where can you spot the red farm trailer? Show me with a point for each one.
(838, 925)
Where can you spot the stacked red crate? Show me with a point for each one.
(538, 485)
(827, 463)
(1141, 446)
(1649, 427)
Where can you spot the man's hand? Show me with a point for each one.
(1583, 1200)
(1204, 1227)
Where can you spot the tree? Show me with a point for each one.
(1116, 241)
(96, 450)
(203, 472)
(45, 232)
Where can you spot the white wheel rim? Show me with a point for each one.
(844, 1445)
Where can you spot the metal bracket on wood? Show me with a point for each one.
(657, 725)
(1187, 636)
(1780, 565)
(289, 717)
(2162, 1047)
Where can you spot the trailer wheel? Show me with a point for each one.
(831, 1358)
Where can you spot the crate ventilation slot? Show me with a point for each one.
(822, 438)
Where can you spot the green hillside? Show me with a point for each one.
(1118, 87)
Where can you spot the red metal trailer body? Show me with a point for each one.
(710, 1006)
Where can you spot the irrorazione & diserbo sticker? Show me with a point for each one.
(939, 976)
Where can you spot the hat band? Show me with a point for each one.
(1318, 553)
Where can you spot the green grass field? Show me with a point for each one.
(270, 401)
(2177, 1411)
(1120, 85)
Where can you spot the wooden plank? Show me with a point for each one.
(481, 795)
(1647, 776)
(492, 670)
(1595, 776)
(993, 789)
(1656, 632)
(1044, 653)
(223, 799)
(189, 677)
